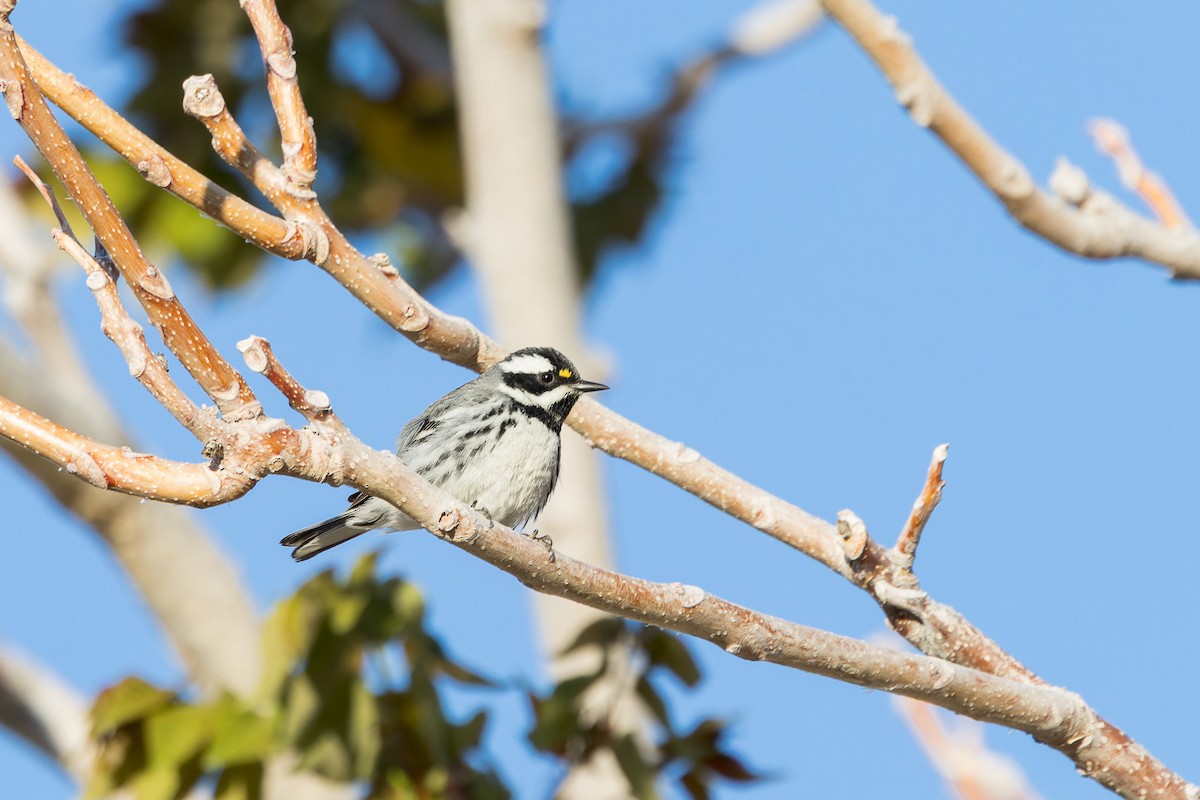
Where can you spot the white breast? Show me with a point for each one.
(511, 477)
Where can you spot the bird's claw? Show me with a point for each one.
(546, 541)
(486, 514)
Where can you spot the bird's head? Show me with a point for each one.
(542, 379)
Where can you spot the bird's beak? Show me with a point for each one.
(589, 386)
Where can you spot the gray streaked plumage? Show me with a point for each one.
(493, 442)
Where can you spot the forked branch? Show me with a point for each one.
(1101, 229)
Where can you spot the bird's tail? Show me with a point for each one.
(318, 538)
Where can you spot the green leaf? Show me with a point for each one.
(557, 716)
(240, 736)
(363, 735)
(329, 757)
(638, 770)
(240, 782)
(156, 784)
(288, 636)
(176, 734)
(603, 632)
(129, 700)
(301, 706)
(653, 700)
(666, 650)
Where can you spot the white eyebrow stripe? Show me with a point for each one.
(528, 364)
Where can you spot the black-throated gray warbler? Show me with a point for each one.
(493, 442)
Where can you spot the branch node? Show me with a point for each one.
(83, 465)
(384, 264)
(317, 400)
(201, 97)
(226, 394)
(689, 596)
(316, 240)
(155, 170)
(14, 97)
(154, 282)
(853, 532)
(282, 64)
(685, 454)
(942, 672)
(413, 318)
(449, 521)
(97, 280)
(253, 353)
(1070, 183)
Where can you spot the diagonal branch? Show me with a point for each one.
(1099, 230)
(905, 550)
(39, 708)
(117, 325)
(1057, 718)
(158, 166)
(179, 331)
(295, 126)
(1113, 140)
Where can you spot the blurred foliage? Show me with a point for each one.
(353, 685)
(695, 758)
(377, 82)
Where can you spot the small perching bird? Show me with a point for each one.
(493, 443)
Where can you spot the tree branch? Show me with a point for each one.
(45, 712)
(1101, 229)
(160, 167)
(1113, 140)
(181, 334)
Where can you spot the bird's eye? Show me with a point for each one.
(546, 378)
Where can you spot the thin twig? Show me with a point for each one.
(961, 757)
(313, 404)
(914, 526)
(116, 323)
(299, 143)
(1113, 140)
(203, 100)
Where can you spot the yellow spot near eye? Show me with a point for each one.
(565, 373)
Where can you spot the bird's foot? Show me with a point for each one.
(545, 541)
(487, 514)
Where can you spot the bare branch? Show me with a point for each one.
(116, 323)
(160, 167)
(905, 550)
(181, 334)
(1104, 753)
(204, 101)
(1099, 230)
(295, 126)
(45, 712)
(1113, 140)
(312, 403)
(119, 468)
(962, 758)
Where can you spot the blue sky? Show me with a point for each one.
(827, 296)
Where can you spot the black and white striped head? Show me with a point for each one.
(543, 382)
